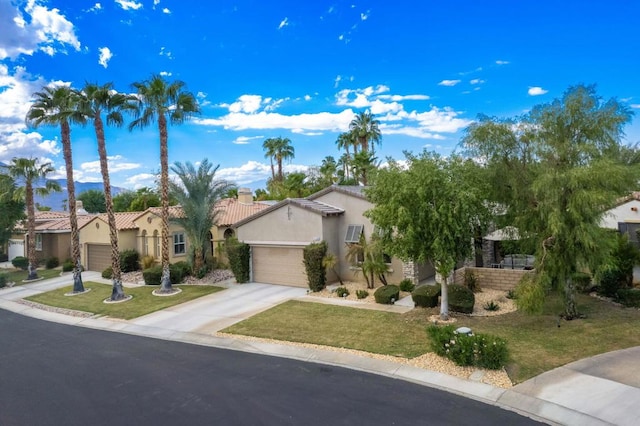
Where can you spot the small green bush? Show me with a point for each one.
(20, 262)
(51, 263)
(342, 292)
(239, 255)
(629, 297)
(481, 350)
(67, 266)
(316, 272)
(153, 275)
(511, 294)
(611, 280)
(129, 260)
(184, 267)
(491, 306)
(3, 280)
(471, 281)
(407, 285)
(582, 282)
(461, 299)
(387, 294)
(147, 262)
(426, 296)
(107, 273)
(362, 294)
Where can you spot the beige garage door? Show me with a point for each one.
(98, 257)
(279, 265)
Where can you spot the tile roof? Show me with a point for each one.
(63, 224)
(353, 190)
(48, 215)
(230, 210)
(124, 220)
(305, 203)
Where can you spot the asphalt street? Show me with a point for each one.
(53, 374)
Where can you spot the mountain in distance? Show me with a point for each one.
(56, 200)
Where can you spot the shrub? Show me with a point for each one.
(362, 294)
(629, 297)
(4, 257)
(183, 267)
(107, 273)
(407, 285)
(20, 262)
(239, 255)
(387, 295)
(426, 296)
(67, 266)
(3, 280)
(582, 282)
(610, 281)
(511, 294)
(491, 306)
(461, 299)
(153, 275)
(481, 350)
(471, 281)
(316, 273)
(342, 292)
(202, 272)
(51, 263)
(129, 260)
(147, 262)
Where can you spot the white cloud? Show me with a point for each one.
(476, 81)
(166, 73)
(39, 28)
(105, 56)
(635, 106)
(365, 16)
(31, 144)
(416, 132)
(337, 81)
(283, 23)
(502, 62)
(307, 97)
(246, 103)
(536, 91)
(448, 83)
(165, 52)
(166, 10)
(251, 171)
(95, 8)
(129, 5)
(156, 2)
(244, 140)
(115, 163)
(140, 180)
(263, 120)
(398, 98)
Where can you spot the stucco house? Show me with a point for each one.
(95, 242)
(277, 236)
(624, 216)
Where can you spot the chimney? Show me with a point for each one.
(245, 196)
(80, 208)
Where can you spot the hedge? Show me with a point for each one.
(129, 260)
(153, 275)
(239, 255)
(426, 296)
(461, 299)
(387, 294)
(20, 262)
(481, 350)
(629, 297)
(316, 273)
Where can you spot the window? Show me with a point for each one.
(353, 234)
(39, 242)
(145, 243)
(179, 245)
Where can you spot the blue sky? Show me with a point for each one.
(303, 69)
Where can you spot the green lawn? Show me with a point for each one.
(536, 343)
(143, 301)
(17, 275)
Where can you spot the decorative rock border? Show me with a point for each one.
(158, 293)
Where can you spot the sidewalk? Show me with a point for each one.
(596, 391)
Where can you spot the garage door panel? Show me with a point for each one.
(98, 257)
(279, 265)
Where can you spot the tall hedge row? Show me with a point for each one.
(239, 255)
(316, 273)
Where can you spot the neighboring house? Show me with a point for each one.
(624, 216)
(95, 240)
(278, 235)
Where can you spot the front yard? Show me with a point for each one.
(536, 343)
(143, 301)
(17, 275)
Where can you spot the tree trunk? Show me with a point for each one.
(444, 296)
(273, 170)
(165, 282)
(78, 287)
(117, 292)
(197, 259)
(570, 307)
(31, 232)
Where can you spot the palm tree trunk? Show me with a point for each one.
(273, 171)
(78, 287)
(280, 176)
(117, 292)
(31, 232)
(165, 282)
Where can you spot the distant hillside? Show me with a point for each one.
(55, 199)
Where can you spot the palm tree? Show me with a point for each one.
(56, 106)
(162, 102)
(284, 151)
(94, 101)
(197, 192)
(328, 170)
(30, 172)
(344, 163)
(366, 128)
(269, 146)
(363, 164)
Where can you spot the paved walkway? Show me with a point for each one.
(596, 391)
